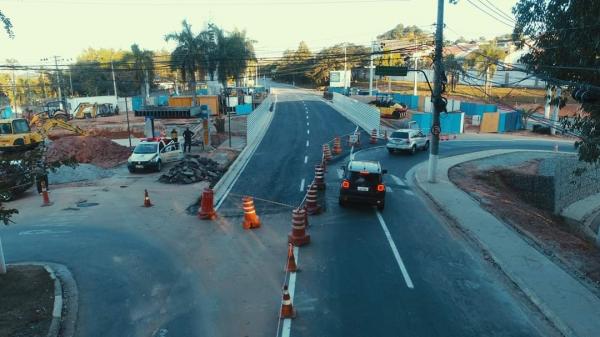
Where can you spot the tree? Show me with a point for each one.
(189, 56)
(141, 64)
(8, 27)
(485, 62)
(234, 52)
(295, 65)
(332, 58)
(400, 32)
(564, 43)
(454, 69)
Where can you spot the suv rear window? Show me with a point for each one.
(398, 134)
(364, 179)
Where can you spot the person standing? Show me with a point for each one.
(187, 139)
(174, 135)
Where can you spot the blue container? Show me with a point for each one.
(243, 109)
(202, 92)
(136, 102)
(450, 123)
(423, 120)
(162, 100)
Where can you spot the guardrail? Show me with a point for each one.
(365, 116)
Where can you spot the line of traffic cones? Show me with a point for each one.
(207, 210)
(311, 205)
(147, 202)
(251, 220)
(287, 309)
(326, 152)
(319, 177)
(373, 137)
(45, 196)
(299, 237)
(337, 145)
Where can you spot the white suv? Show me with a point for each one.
(407, 140)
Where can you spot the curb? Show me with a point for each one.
(534, 299)
(58, 303)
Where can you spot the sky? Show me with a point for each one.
(45, 28)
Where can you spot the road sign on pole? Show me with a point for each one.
(391, 71)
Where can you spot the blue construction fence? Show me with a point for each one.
(509, 121)
(411, 101)
(340, 90)
(137, 101)
(471, 109)
(450, 123)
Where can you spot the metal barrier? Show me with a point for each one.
(365, 116)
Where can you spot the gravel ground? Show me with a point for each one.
(82, 172)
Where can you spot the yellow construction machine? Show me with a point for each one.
(16, 133)
(85, 110)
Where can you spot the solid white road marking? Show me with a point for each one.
(286, 329)
(302, 185)
(397, 180)
(307, 143)
(305, 159)
(407, 279)
(42, 232)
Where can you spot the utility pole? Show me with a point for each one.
(14, 87)
(438, 104)
(371, 69)
(416, 67)
(58, 81)
(70, 82)
(556, 109)
(147, 89)
(112, 69)
(345, 67)
(176, 83)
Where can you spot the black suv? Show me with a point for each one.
(363, 182)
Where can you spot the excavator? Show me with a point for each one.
(16, 133)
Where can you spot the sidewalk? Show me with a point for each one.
(573, 309)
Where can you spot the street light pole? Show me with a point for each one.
(438, 104)
(345, 67)
(371, 69)
(416, 67)
(228, 114)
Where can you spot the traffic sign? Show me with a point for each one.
(391, 71)
(436, 130)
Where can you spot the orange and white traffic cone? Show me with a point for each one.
(326, 152)
(311, 205)
(287, 309)
(298, 236)
(291, 262)
(147, 202)
(337, 145)
(319, 177)
(207, 210)
(373, 137)
(251, 220)
(45, 196)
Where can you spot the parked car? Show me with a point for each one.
(152, 153)
(407, 140)
(363, 183)
(14, 180)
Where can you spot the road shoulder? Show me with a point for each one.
(564, 300)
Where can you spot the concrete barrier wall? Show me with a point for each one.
(365, 116)
(257, 120)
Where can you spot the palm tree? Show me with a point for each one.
(233, 51)
(190, 56)
(485, 62)
(142, 63)
(453, 67)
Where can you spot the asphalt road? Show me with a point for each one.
(157, 272)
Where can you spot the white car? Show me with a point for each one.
(407, 140)
(152, 153)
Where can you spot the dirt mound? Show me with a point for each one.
(99, 151)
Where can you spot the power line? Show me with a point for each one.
(489, 14)
(497, 10)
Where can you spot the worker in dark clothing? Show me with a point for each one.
(174, 135)
(187, 139)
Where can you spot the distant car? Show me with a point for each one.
(407, 140)
(152, 153)
(363, 183)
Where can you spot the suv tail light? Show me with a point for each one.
(380, 188)
(345, 184)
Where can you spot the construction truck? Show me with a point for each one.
(93, 110)
(16, 133)
(388, 108)
(56, 109)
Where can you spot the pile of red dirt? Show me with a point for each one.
(99, 151)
